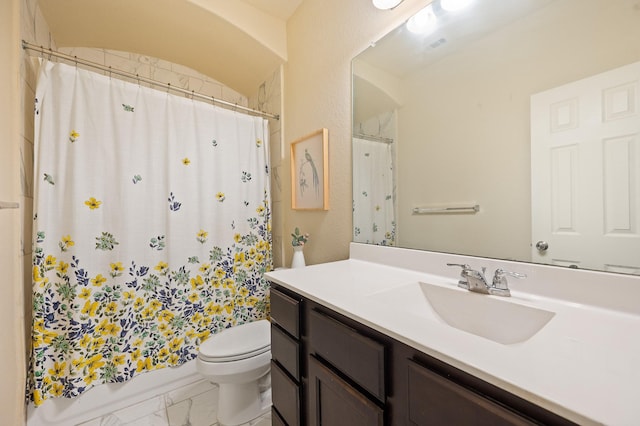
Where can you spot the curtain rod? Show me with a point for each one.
(373, 138)
(110, 70)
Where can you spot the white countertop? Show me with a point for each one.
(583, 365)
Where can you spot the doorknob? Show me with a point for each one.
(542, 245)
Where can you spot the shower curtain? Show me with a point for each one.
(152, 228)
(373, 193)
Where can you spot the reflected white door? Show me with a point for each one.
(585, 172)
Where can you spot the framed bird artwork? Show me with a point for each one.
(310, 171)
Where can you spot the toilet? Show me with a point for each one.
(237, 359)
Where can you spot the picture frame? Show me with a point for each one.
(310, 171)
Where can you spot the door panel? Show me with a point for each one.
(585, 178)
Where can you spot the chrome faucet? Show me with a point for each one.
(463, 283)
(500, 286)
(473, 280)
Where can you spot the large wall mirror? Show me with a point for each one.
(508, 129)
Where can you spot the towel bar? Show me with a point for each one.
(457, 209)
(8, 205)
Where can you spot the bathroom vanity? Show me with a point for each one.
(367, 341)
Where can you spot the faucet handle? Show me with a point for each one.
(462, 283)
(464, 266)
(500, 279)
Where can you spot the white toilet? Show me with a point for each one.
(238, 360)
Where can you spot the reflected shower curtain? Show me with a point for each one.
(373, 188)
(152, 228)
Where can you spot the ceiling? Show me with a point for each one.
(283, 9)
(401, 53)
(380, 69)
(238, 43)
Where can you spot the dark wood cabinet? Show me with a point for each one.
(285, 395)
(285, 311)
(436, 400)
(276, 419)
(358, 357)
(285, 350)
(286, 385)
(328, 369)
(334, 402)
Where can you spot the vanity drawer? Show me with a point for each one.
(358, 357)
(433, 399)
(285, 311)
(285, 350)
(285, 395)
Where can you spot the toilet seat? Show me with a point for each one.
(237, 343)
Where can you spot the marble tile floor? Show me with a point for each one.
(191, 405)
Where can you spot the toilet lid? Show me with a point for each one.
(239, 342)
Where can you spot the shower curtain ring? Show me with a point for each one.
(109, 72)
(138, 78)
(168, 87)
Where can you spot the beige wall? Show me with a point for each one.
(323, 36)
(12, 359)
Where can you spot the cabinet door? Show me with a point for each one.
(332, 402)
(435, 400)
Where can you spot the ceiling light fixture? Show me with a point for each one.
(454, 5)
(423, 22)
(386, 4)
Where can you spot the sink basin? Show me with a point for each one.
(499, 319)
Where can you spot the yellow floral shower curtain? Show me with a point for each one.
(152, 229)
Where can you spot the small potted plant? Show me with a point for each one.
(298, 241)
